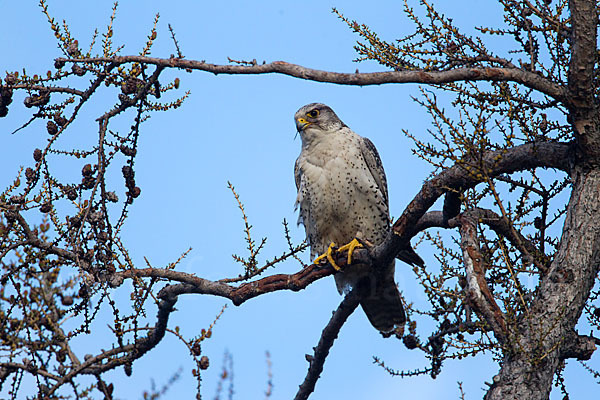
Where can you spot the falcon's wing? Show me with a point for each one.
(301, 198)
(297, 174)
(373, 161)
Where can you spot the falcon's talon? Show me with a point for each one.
(350, 247)
(329, 257)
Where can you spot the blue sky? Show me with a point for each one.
(241, 129)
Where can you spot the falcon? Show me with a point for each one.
(343, 201)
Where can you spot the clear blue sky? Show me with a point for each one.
(240, 128)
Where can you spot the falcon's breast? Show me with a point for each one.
(338, 196)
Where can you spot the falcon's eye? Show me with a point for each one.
(313, 113)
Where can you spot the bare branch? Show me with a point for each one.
(49, 89)
(238, 295)
(478, 292)
(526, 78)
(330, 333)
(95, 365)
(519, 158)
(584, 21)
(496, 223)
(580, 347)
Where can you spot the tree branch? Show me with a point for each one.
(497, 224)
(34, 241)
(526, 78)
(584, 22)
(519, 158)
(10, 367)
(478, 292)
(330, 333)
(50, 89)
(578, 346)
(95, 365)
(581, 86)
(237, 294)
(149, 83)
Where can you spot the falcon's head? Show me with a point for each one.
(317, 116)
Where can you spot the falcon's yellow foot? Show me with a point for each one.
(350, 247)
(329, 257)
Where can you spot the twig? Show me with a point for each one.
(269, 390)
(179, 53)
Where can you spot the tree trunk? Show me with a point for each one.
(545, 335)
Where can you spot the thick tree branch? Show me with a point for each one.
(581, 86)
(559, 300)
(330, 333)
(584, 22)
(237, 294)
(578, 346)
(519, 158)
(478, 292)
(497, 224)
(526, 78)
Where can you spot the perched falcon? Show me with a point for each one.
(342, 195)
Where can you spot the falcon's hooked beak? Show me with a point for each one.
(301, 123)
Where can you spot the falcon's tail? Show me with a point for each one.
(382, 304)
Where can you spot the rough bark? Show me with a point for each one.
(546, 333)
(581, 99)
